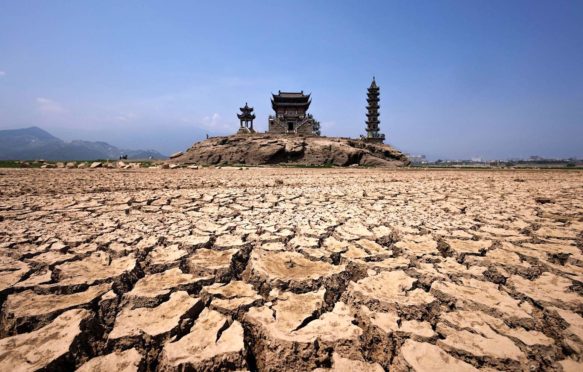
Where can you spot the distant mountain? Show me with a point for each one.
(34, 143)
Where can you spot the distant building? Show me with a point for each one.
(291, 115)
(417, 159)
(372, 116)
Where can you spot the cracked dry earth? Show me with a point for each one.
(291, 269)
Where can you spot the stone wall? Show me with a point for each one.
(303, 126)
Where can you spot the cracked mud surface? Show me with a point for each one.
(291, 269)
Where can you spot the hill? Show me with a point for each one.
(260, 149)
(36, 143)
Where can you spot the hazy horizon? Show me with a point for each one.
(458, 79)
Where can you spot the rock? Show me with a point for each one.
(82, 165)
(96, 164)
(122, 361)
(71, 165)
(212, 344)
(261, 149)
(49, 348)
(543, 200)
(174, 166)
(176, 154)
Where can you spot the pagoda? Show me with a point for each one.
(291, 115)
(246, 117)
(372, 115)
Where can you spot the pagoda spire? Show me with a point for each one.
(372, 123)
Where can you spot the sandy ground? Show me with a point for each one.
(291, 269)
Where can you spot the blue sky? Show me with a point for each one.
(458, 79)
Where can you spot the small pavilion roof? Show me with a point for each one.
(246, 108)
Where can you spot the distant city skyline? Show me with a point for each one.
(458, 79)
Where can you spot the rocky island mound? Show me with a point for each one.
(261, 149)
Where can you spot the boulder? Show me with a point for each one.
(260, 149)
(176, 154)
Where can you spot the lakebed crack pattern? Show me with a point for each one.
(291, 269)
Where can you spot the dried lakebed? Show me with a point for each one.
(291, 269)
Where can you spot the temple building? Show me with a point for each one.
(291, 115)
(246, 117)
(372, 115)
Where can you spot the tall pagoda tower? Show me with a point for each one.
(372, 115)
(246, 117)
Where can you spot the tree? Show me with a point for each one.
(316, 127)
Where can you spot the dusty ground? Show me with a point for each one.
(291, 269)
